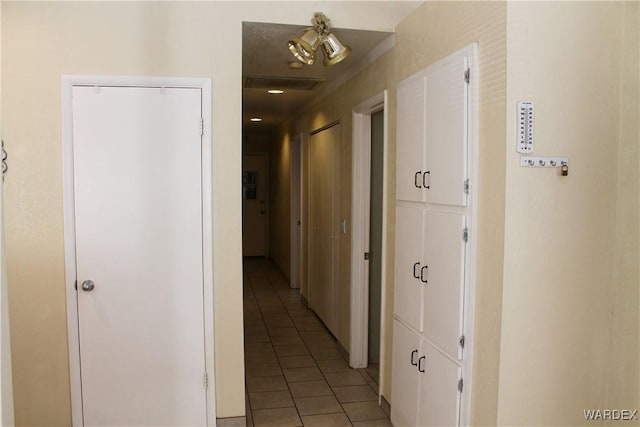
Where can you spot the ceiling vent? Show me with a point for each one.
(293, 83)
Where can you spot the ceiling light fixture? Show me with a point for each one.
(275, 91)
(255, 119)
(304, 48)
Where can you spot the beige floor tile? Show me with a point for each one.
(262, 369)
(326, 420)
(325, 353)
(373, 423)
(302, 374)
(256, 338)
(274, 383)
(252, 357)
(270, 400)
(282, 332)
(364, 411)
(337, 379)
(297, 362)
(354, 393)
(282, 417)
(288, 340)
(291, 350)
(310, 389)
(333, 365)
(317, 405)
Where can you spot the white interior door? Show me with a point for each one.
(323, 226)
(138, 227)
(254, 204)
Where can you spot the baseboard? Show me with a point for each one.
(231, 422)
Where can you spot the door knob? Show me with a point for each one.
(88, 285)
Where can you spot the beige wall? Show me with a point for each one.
(279, 203)
(570, 312)
(41, 42)
(624, 386)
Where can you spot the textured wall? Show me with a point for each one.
(570, 322)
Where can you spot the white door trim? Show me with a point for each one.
(360, 212)
(295, 217)
(69, 225)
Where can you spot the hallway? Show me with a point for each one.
(295, 373)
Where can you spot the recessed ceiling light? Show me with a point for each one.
(256, 119)
(275, 91)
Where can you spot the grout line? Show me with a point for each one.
(271, 278)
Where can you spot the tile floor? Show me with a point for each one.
(295, 373)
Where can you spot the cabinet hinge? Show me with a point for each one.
(75, 285)
(461, 341)
(206, 380)
(201, 126)
(366, 256)
(460, 384)
(467, 75)
(465, 186)
(465, 234)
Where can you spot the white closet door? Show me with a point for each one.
(439, 395)
(404, 385)
(409, 289)
(446, 130)
(324, 197)
(410, 149)
(138, 226)
(443, 296)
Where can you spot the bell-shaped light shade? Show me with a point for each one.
(304, 47)
(334, 51)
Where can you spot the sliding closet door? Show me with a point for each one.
(324, 147)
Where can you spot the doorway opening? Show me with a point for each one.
(368, 236)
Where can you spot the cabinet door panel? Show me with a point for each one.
(444, 254)
(439, 403)
(409, 290)
(446, 131)
(404, 381)
(410, 149)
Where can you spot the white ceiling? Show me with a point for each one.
(265, 53)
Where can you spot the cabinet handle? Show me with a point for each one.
(415, 180)
(420, 368)
(424, 269)
(413, 353)
(415, 273)
(424, 179)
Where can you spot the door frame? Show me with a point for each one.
(68, 82)
(360, 217)
(295, 217)
(265, 155)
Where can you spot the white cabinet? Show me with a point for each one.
(405, 381)
(435, 126)
(444, 258)
(410, 150)
(424, 382)
(439, 381)
(447, 112)
(409, 289)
